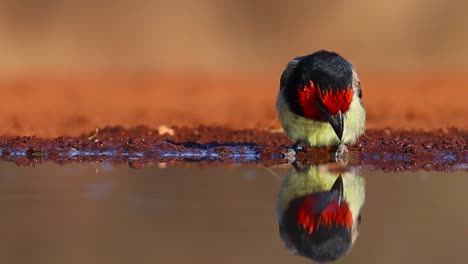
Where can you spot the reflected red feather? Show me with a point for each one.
(333, 213)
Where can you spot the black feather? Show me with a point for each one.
(327, 243)
(326, 69)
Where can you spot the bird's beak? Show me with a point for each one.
(337, 122)
(336, 190)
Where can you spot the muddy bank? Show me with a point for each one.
(389, 150)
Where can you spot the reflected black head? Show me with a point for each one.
(327, 243)
(326, 69)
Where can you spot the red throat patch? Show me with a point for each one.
(333, 101)
(333, 213)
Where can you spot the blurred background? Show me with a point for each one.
(242, 35)
(75, 51)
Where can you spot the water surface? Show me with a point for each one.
(105, 213)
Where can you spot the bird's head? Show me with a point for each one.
(319, 225)
(321, 86)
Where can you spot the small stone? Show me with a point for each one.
(163, 129)
(276, 131)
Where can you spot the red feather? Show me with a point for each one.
(333, 213)
(333, 100)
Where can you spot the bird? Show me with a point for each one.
(320, 102)
(319, 212)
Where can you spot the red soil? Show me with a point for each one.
(51, 105)
(232, 109)
(378, 149)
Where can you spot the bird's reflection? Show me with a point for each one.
(319, 211)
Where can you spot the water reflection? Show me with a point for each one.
(318, 210)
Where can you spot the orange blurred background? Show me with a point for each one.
(70, 66)
(242, 35)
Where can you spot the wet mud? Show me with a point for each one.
(382, 149)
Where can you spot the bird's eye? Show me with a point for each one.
(360, 93)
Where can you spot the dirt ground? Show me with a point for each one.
(414, 120)
(382, 149)
(57, 104)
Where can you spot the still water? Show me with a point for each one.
(192, 213)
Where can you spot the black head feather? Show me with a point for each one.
(327, 243)
(326, 69)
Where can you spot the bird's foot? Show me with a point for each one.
(290, 156)
(296, 166)
(341, 153)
